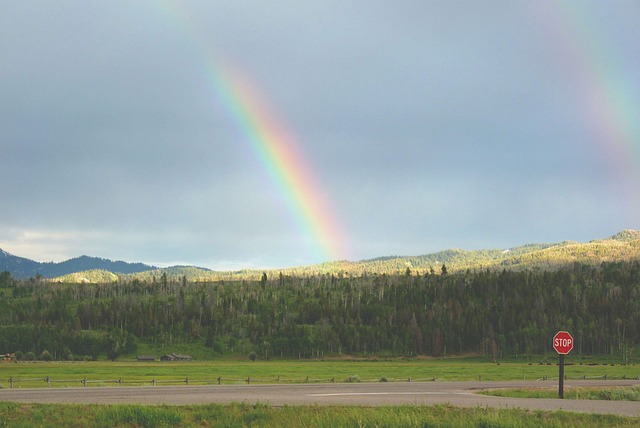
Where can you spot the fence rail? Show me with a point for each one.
(214, 381)
(14, 382)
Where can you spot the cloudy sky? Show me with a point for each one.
(424, 125)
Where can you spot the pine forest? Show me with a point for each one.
(495, 313)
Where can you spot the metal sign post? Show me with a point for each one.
(563, 344)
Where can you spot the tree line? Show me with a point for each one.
(494, 313)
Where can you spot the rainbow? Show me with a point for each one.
(282, 159)
(608, 92)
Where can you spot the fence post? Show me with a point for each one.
(248, 380)
(605, 377)
(119, 381)
(154, 382)
(11, 382)
(48, 379)
(219, 380)
(84, 381)
(186, 381)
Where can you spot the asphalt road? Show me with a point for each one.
(362, 394)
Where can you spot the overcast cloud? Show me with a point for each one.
(429, 124)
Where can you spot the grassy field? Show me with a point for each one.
(605, 393)
(238, 370)
(245, 415)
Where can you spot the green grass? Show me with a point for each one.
(580, 393)
(239, 369)
(258, 415)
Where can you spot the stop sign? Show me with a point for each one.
(563, 342)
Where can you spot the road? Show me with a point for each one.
(361, 394)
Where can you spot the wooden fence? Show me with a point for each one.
(14, 382)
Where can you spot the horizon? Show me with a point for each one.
(234, 268)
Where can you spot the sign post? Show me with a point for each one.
(563, 344)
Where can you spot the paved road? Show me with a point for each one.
(365, 394)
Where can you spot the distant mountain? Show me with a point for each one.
(623, 246)
(18, 266)
(22, 268)
(83, 263)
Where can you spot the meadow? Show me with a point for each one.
(572, 393)
(240, 369)
(259, 415)
(237, 369)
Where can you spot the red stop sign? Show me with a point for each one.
(563, 342)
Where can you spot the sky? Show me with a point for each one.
(244, 134)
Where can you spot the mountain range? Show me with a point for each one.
(22, 268)
(623, 246)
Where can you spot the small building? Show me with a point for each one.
(146, 358)
(7, 358)
(176, 357)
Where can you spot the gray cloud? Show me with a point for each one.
(429, 124)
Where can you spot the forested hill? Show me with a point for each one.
(624, 246)
(492, 313)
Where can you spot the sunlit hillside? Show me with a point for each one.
(623, 246)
